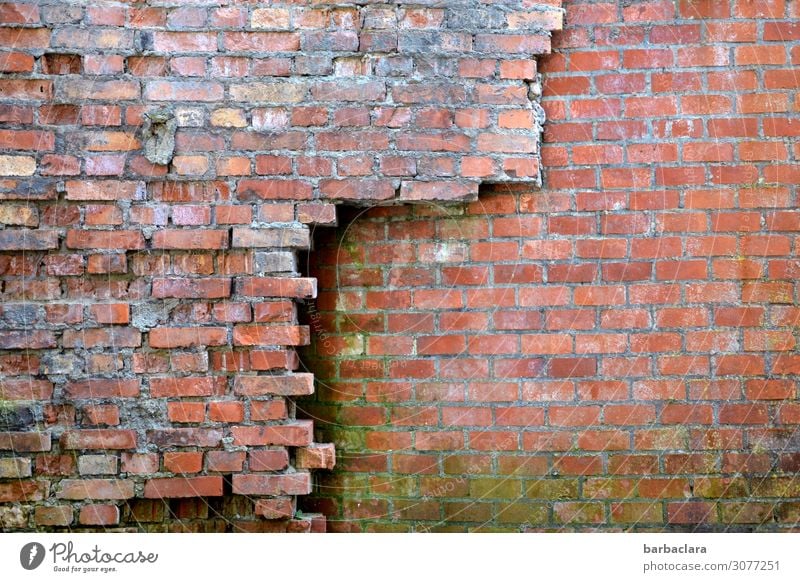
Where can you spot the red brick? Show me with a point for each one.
(183, 462)
(268, 410)
(184, 387)
(268, 459)
(102, 414)
(95, 489)
(99, 439)
(185, 437)
(101, 388)
(293, 385)
(26, 389)
(99, 515)
(281, 508)
(226, 411)
(111, 313)
(295, 434)
(53, 516)
(263, 335)
(186, 412)
(178, 487)
(293, 484)
(112, 240)
(277, 287)
(165, 337)
(191, 288)
(190, 239)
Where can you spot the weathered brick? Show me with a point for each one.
(24, 442)
(190, 239)
(183, 387)
(294, 484)
(28, 240)
(116, 337)
(96, 514)
(139, 463)
(293, 385)
(183, 91)
(95, 489)
(270, 237)
(175, 487)
(98, 439)
(17, 166)
(277, 287)
(295, 434)
(268, 459)
(438, 191)
(179, 337)
(317, 456)
(97, 465)
(15, 468)
(185, 437)
(192, 288)
(11, 389)
(118, 313)
(257, 335)
(111, 240)
(225, 461)
(272, 93)
(280, 508)
(354, 189)
(53, 516)
(23, 491)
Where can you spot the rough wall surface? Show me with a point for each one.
(618, 350)
(159, 165)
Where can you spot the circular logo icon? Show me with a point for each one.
(31, 555)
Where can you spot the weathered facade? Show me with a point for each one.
(615, 351)
(161, 164)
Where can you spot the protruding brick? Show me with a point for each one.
(280, 508)
(316, 456)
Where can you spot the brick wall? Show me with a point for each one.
(159, 166)
(615, 351)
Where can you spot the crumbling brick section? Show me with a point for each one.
(159, 167)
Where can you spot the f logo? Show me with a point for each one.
(31, 555)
